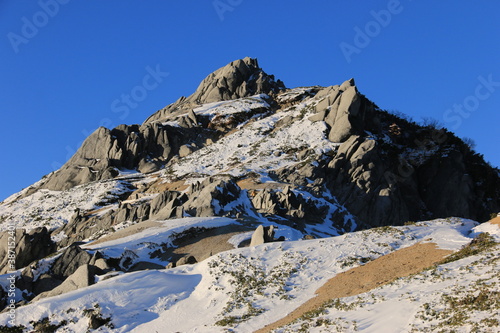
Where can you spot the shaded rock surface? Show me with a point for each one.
(70, 260)
(82, 277)
(24, 247)
(262, 235)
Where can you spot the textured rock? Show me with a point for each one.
(187, 260)
(287, 204)
(145, 148)
(185, 150)
(240, 78)
(262, 235)
(82, 277)
(167, 205)
(28, 247)
(101, 264)
(81, 226)
(144, 265)
(70, 260)
(209, 197)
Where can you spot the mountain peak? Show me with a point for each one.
(239, 78)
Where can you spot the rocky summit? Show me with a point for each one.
(245, 186)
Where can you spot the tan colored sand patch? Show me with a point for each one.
(207, 243)
(251, 184)
(495, 221)
(374, 274)
(159, 186)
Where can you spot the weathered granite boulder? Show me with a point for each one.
(70, 260)
(342, 109)
(186, 260)
(28, 247)
(82, 277)
(145, 148)
(209, 197)
(262, 235)
(167, 205)
(287, 204)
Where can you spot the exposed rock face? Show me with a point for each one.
(287, 204)
(166, 205)
(145, 148)
(82, 277)
(381, 187)
(28, 247)
(240, 78)
(378, 167)
(208, 198)
(345, 111)
(262, 235)
(69, 261)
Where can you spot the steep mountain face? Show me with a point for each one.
(242, 150)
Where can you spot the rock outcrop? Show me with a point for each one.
(145, 148)
(287, 204)
(70, 260)
(27, 248)
(82, 277)
(240, 78)
(210, 196)
(262, 235)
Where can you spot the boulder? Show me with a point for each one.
(144, 265)
(287, 204)
(45, 282)
(70, 260)
(185, 150)
(187, 260)
(209, 197)
(101, 264)
(167, 205)
(341, 117)
(262, 235)
(82, 277)
(29, 246)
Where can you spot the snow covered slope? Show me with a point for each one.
(244, 289)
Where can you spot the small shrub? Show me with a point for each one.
(480, 243)
(12, 329)
(45, 326)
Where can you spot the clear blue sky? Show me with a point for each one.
(66, 63)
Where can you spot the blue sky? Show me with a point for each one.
(66, 64)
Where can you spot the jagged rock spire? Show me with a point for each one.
(240, 78)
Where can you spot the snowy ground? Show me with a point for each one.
(244, 289)
(52, 209)
(252, 147)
